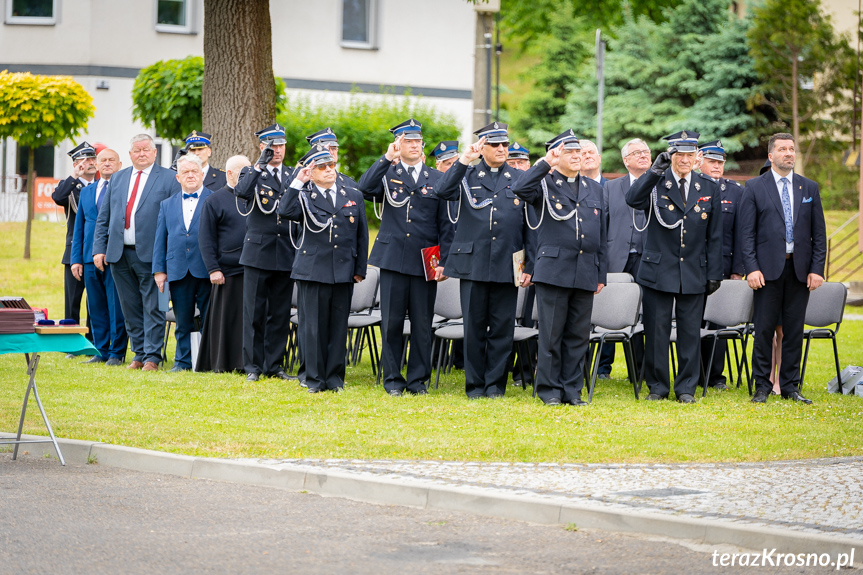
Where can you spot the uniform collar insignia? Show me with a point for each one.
(667, 184)
(697, 186)
(481, 174)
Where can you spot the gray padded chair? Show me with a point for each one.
(522, 335)
(826, 307)
(619, 278)
(447, 305)
(614, 316)
(362, 321)
(730, 305)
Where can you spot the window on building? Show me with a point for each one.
(39, 12)
(358, 23)
(174, 16)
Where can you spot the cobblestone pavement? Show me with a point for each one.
(815, 496)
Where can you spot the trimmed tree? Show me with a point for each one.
(36, 110)
(167, 96)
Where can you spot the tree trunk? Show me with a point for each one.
(239, 95)
(800, 164)
(31, 193)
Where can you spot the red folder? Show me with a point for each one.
(431, 260)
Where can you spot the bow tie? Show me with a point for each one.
(190, 196)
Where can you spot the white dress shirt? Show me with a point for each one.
(416, 168)
(100, 189)
(688, 178)
(789, 246)
(129, 235)
(189, 205)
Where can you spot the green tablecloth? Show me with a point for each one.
(35, 343)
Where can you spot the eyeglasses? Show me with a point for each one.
(325, 166)
(498, 144)
(638, 153)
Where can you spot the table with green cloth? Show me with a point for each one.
(31, 345)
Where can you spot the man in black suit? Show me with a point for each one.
(625, 240)
(784, 245)
(331, 257)
(198, 143)
(713, 164)
(682, 260)
(412, 218)
(67, 194)
(571, 265)
(124, 238)
(491, 228)
(268, 257)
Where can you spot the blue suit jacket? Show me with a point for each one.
(176, 251)
(108, 238)
(85, 225)
(762, 228)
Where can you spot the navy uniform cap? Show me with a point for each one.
(494, 133)
(318, 154)
(82, 150)
(273, 134)
(197, 140)
(325, 137)
(685, 141)
(445, 150)
(713, 150)
(518, 152)
(410, 129)
(568, 140)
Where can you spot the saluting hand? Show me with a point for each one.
(552, 157)
(473, 152)
(266, 156)
(305, 174)
(663, 161)
(394, 149)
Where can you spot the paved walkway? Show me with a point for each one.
(814, 496)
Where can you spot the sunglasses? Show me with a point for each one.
(325, 166)
(498, 144)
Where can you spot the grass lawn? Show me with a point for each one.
(225, 416)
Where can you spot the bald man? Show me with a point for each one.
(103, 303)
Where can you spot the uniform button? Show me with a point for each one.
(681, 259)
(495, 195)
(304, 251)
(458, 250)
(408, 235)
(581, 220)
(577, 205)
(684, 217)
(409, 221)
(335, 226)
(337, 235)
(493, 238)
(495, 223)
(683, 245)
(278, 235)
(582, 236)
(187, 235)
(335, 247)
(684, 231)
(187, 249)
(581, 251)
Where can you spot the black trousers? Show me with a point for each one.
(780, 302)
(403, 294)
(73, 292)
(186, 294)
(488, 309)
(266, 319)
(564, 333)
(324, 332)
(606, 352)
(657, 307)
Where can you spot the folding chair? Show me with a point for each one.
(614, 317)
(826, 307)
(522, 335)
(730, 305)
(447, 305)
(361, 322)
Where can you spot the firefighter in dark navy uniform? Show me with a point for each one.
(571, 264)
(491, 227)
(268, 257)
(328, 139)
(713, 165)
(681, 262)
(412, 218)
(198, 143)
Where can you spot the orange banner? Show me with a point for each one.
(42, 202)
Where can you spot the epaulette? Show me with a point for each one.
(706, 177)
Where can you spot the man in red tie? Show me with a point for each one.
(124, 239)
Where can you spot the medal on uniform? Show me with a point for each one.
(697, 187)
(480, 175)
(671, 208)
(696, 209)
(557, 206)
(271, 193)
(424, 191)
(667, 184)
(704, 216)
(264, 201)
(351, 219)
(515, 201)
(395, 195)
(595, 212)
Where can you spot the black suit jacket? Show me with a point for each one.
(762, 228)
(221, 232)
(66, 194)
(215, 179)
(622, 235)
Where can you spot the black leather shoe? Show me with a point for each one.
(420, 392)
(719, 386)
(553, 401)
(685, 398)
(303, 383)
(473, 397)
(338, 390)
(760, 396)
(315, 390)
(282, 375)
(495, 396)
(577, 402)
(797, 396)
(251, 377)
(654, 397)
(114, 361)
(395, 393)
(95, 359)
(177, 368)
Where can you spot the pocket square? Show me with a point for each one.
(807, 200)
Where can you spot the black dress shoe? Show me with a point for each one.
(655, 397)
(338, 390)
(495, 396)
(114, 361)
(71, 356)
(553, 401)
(760, 396)
(95, 359)
(797, 396)
(252, 377)
(685, 398)
(177, 368)
(719, 386)
(393, 392)
(282, 375)
(303, 383)
(472, 397)
(420, 392)
(577, 402)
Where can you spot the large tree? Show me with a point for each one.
(36, 110)
(167, 96)
(804, 65)
(239, 95)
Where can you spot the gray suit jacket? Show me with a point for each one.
(161, 184)
(620, 228)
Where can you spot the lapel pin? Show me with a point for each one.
(722, 187)
(558, 182)
(515, 201)
(314, 195)
(399, 171)
(697, 187)
(667, 184)
(506, 175)
(480, 175)
(595, 212)
(351, 219)
(704, 216)
(425, 174)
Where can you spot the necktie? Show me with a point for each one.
(189, 196)
(276, 175)
(131, 203)
(411, 171)
(101, 196)
(786, 208)
(682, 185)
(331, 194)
